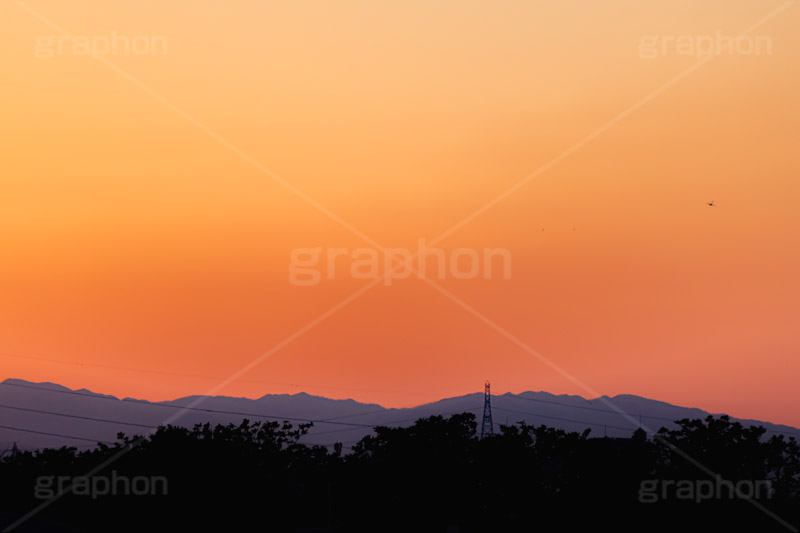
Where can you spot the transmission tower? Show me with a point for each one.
(13, 451)
(487, 427)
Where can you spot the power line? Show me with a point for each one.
(218, 411)
(109, 421)
(144, 402)
(562, 419)
(357, 414)
(332, 420)
(55, 434)
(316, 433)
(76, 416)
(96, 441)
(353, 426)
(615, 413)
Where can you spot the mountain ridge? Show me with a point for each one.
(29, 409)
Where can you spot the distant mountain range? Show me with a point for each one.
(39, 415)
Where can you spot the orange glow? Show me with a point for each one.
(141, 257)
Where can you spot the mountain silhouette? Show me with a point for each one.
(34, 415)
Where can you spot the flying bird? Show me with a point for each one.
(711, 203)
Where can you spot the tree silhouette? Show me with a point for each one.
(430, 476)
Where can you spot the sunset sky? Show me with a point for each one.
(146, 226)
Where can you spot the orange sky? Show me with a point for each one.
(141, 257)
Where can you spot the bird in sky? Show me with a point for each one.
(711, 203)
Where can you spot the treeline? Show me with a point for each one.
(435, 475)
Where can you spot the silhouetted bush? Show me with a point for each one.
(435, 475)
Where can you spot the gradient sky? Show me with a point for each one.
(141, 257)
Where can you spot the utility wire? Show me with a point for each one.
(145, 402)
(76, 416)
(55, 434)
(618, 414)
(562, 419)
(332, 421)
